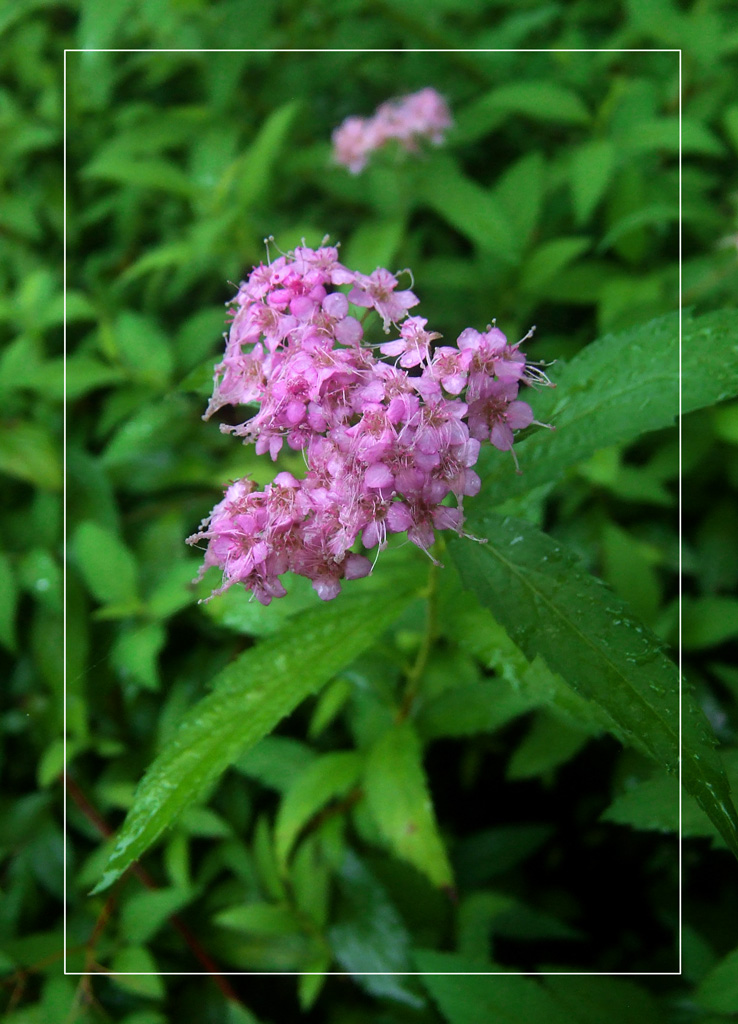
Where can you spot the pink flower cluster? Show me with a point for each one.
(385, 443)
(408, 119)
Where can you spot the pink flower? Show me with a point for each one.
(414, 342)
(421, 116)
(384, 449)
(377, 291)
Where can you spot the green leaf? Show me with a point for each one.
(29, 452)
(397, 795)
(136, 651)
(666, 133)
(473, 708)
(8, 603)
(474, 211)
(134, 969)
(145, 912)
(143, 347)
(708, 621)
(374, 244)
(276, 761)
(599, 999)
(653, 805)
(541, 100)
(259, 919)
(618, 388)
(465, 997)
(719, 990)
(108, 567)
(548, 744)
(143, 172)
(495, 851)
(521, 190)
(85, 374)
(591, 168)
(369, 938)
(253, 171)
(250, 696)
(328, 777)
(546, 262)
(553, 608)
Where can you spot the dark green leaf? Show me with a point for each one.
(541, 100)
(465, 996)
(249, 698)
(369, 937)
(618, 388)
(719, 990)
(8, 602)
(554, 609)
(548, 744)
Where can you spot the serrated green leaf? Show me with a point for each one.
(653, 805)
(108, 567)
(249, 697)
(397, 795)
(328, 777)
(553, 608)
(466, 997)
(618, 388)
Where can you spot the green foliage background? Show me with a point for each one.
(543, 836)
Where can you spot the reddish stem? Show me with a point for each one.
(96, 819)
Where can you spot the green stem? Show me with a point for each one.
(416, 670)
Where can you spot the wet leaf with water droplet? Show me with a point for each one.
(249, 697)
(616, 389)
(554, 609)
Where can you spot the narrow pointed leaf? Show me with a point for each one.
(250, 696)
(553, 608)
(616, 389)
(397, 795)
(326, 778)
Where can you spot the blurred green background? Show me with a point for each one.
(555, 202)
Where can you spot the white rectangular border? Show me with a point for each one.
(403, 974)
